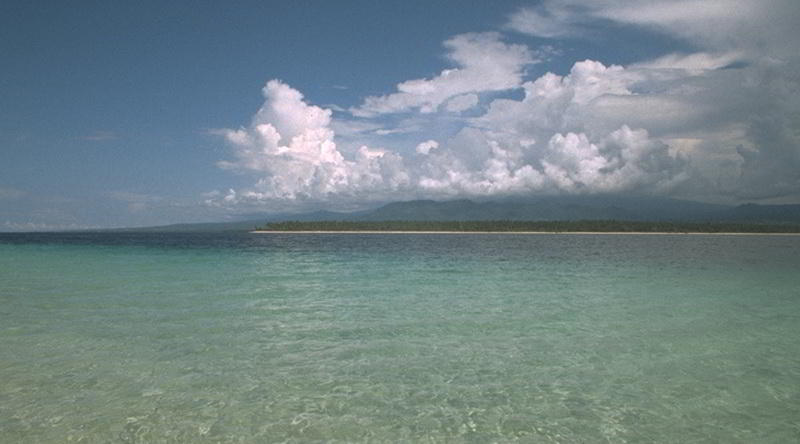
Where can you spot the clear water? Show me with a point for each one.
(387, 338)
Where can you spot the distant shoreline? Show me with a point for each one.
(520, 232)
(524, 227)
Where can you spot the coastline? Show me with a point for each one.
(523, 232)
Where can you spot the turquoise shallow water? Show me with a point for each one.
(386, 338)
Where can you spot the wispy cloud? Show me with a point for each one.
(27, 226)
(483, 62)
(137, 202)
(550, 19)
(101, 135)
(718, 25)
(11, 193)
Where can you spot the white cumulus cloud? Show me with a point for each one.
(540, 143)
(728, 106)
(289, 146)
(427, 146)
(718, 123)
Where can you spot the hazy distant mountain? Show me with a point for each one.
(304, 217)
(541, 208)
(762, 213)
(577, 208)
(548, 208)
(248, 222)
(201, 227)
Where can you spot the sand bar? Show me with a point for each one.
(520, 232)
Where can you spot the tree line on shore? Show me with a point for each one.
(548, 226)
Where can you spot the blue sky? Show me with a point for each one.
(139, 113)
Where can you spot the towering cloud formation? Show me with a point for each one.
(725, 106)
(552, 141)
(718, 124)
(541, 143)
(291, 146)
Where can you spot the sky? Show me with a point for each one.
(120, 113)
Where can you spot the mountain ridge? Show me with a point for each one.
(549, 208)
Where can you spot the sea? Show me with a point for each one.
(475, 338)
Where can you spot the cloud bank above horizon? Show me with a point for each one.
(155, 117)
(720, 123)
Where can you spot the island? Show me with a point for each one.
(514, 226)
